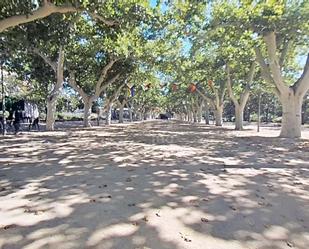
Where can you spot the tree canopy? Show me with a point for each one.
(193, 54)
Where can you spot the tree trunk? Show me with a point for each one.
(199, 113)
(290, 97)
(304, 112)
(207, 113)
(249, 114)
(194, 112)
(108, 118)
(267, 115)
(291, 115)
(87, 112)
(218, 115)
(51, 110)
(189, 115)
(130, 114)
(121, 113)
(138, 116)
(259, 113)
(239, 114)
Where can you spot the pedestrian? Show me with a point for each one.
(17, 119)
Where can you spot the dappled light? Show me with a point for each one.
(154, 124)
(153, 185)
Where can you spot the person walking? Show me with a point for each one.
(17, 119)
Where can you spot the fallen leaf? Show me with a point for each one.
(204, 220)
(233, 208)
(297, 183)
(9, 226)
(185, 238)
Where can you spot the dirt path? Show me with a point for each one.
(154, 185)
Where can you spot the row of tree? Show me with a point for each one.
(100, 50)
(203, 51)
(235, 47)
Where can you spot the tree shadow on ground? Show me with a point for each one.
(153, 185)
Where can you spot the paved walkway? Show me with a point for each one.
(158, 184)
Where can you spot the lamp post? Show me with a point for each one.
(3, 102)
(259, 109)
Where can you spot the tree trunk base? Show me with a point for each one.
(291, 117)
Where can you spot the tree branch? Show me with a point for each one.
(44, 11)
(301, 86)
(283, 53)
(47, 60)
(207, 97)
(103, 75)
(104, 20)
(220, 94)
(115, 94)
(265, 70)
(60, 66)
(73, 84)
(109, 82)
(270, 41)
(251, 74)
(229, 86)
(245, 94)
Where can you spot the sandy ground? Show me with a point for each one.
(158, 184)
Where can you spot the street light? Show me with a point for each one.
(3, 102)
(259, 108)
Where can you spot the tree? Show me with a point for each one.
(280, 32)
(101, 85)
(240, 102)
(110, 98)
(15, 13)
(123, 100)
(29, 11)
(58, 68)
(42, 42)
(216, 100)
(99, 55)
(291, 96)
(50, 40)
(211, 85)
(281, 43)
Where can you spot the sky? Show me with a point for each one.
(153, 3)
(186, 43)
